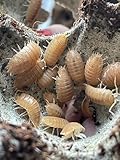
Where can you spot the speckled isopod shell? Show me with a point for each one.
(32, 10)
(25, 59)
(29, 77)
(64, 85)
(72, 129)
(100, 96)
(75, 66)
(93, 69)
(32, 107)
(54, 122)
(55, 49)
(47, 78)
(111, 75)
(54, 110)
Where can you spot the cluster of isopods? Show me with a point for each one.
(29, 65)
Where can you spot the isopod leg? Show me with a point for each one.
(112, 107)
(46, 128)
(57, 132)
(53, 131)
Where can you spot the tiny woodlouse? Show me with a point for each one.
(111, 75)
(85, 108)
(75, 66)
(55, 49)
(32, 107)
(73, 129)
(25, 59)
(53, 122)
(49, 97)
(64, 85)
(32, 10)
(47, 78)
(101, 96)
(93, 69)
(29, 77)
(54, 110)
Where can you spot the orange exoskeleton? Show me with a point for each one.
(47, 78)
(101, 96)
(75, 66)
(64, 85)
(73, 129)
(55, 49)
(31, 106)
(93, 69)
(54, 122)
(29, 77)
(111, 75)
(25, 59)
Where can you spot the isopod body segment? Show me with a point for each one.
(75, 66)
(32, 107)
(64, 85)
(93, 69)
(55, 49)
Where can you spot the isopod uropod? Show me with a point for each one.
(25, 59)
(55, 49)
(32, 107)
(64, 85)
(73, 129)
(32, 10)
(101, 96)
(47, 77)
(49, 97)
(75, 66)
(111, 75)
(93, 69)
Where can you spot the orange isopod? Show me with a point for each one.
(93, 69)
(29, 77)
(32, 10)
(47, 78)
(75, 66)
(49, 97)
(32, 107)
(73, 129)
(54, 110)
(101, 96)
(111, 75)
(55, 49)
(64, 85)
(25, 59)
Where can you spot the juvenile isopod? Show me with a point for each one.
(47, 78)
(54, 122)
(64, 85)
(32, 107)
(93, 69)
(29, 77)
(111, 75)
(49, 97)
(75, 66)
(101, 96)
(32, 10)
(25, 59)
(55, 49)
(54, 110)
(73, 129)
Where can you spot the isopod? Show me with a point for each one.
(54, 110)
(54, 122)
(73, 129)
(55, 49)
(64, 85)
(29, 77)
(49, 97)
(25, 59)
(32, 10)
(32, 107)
(101, 96)
(111, 75)
(47, 78)
(93, 69)
(75, 66)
